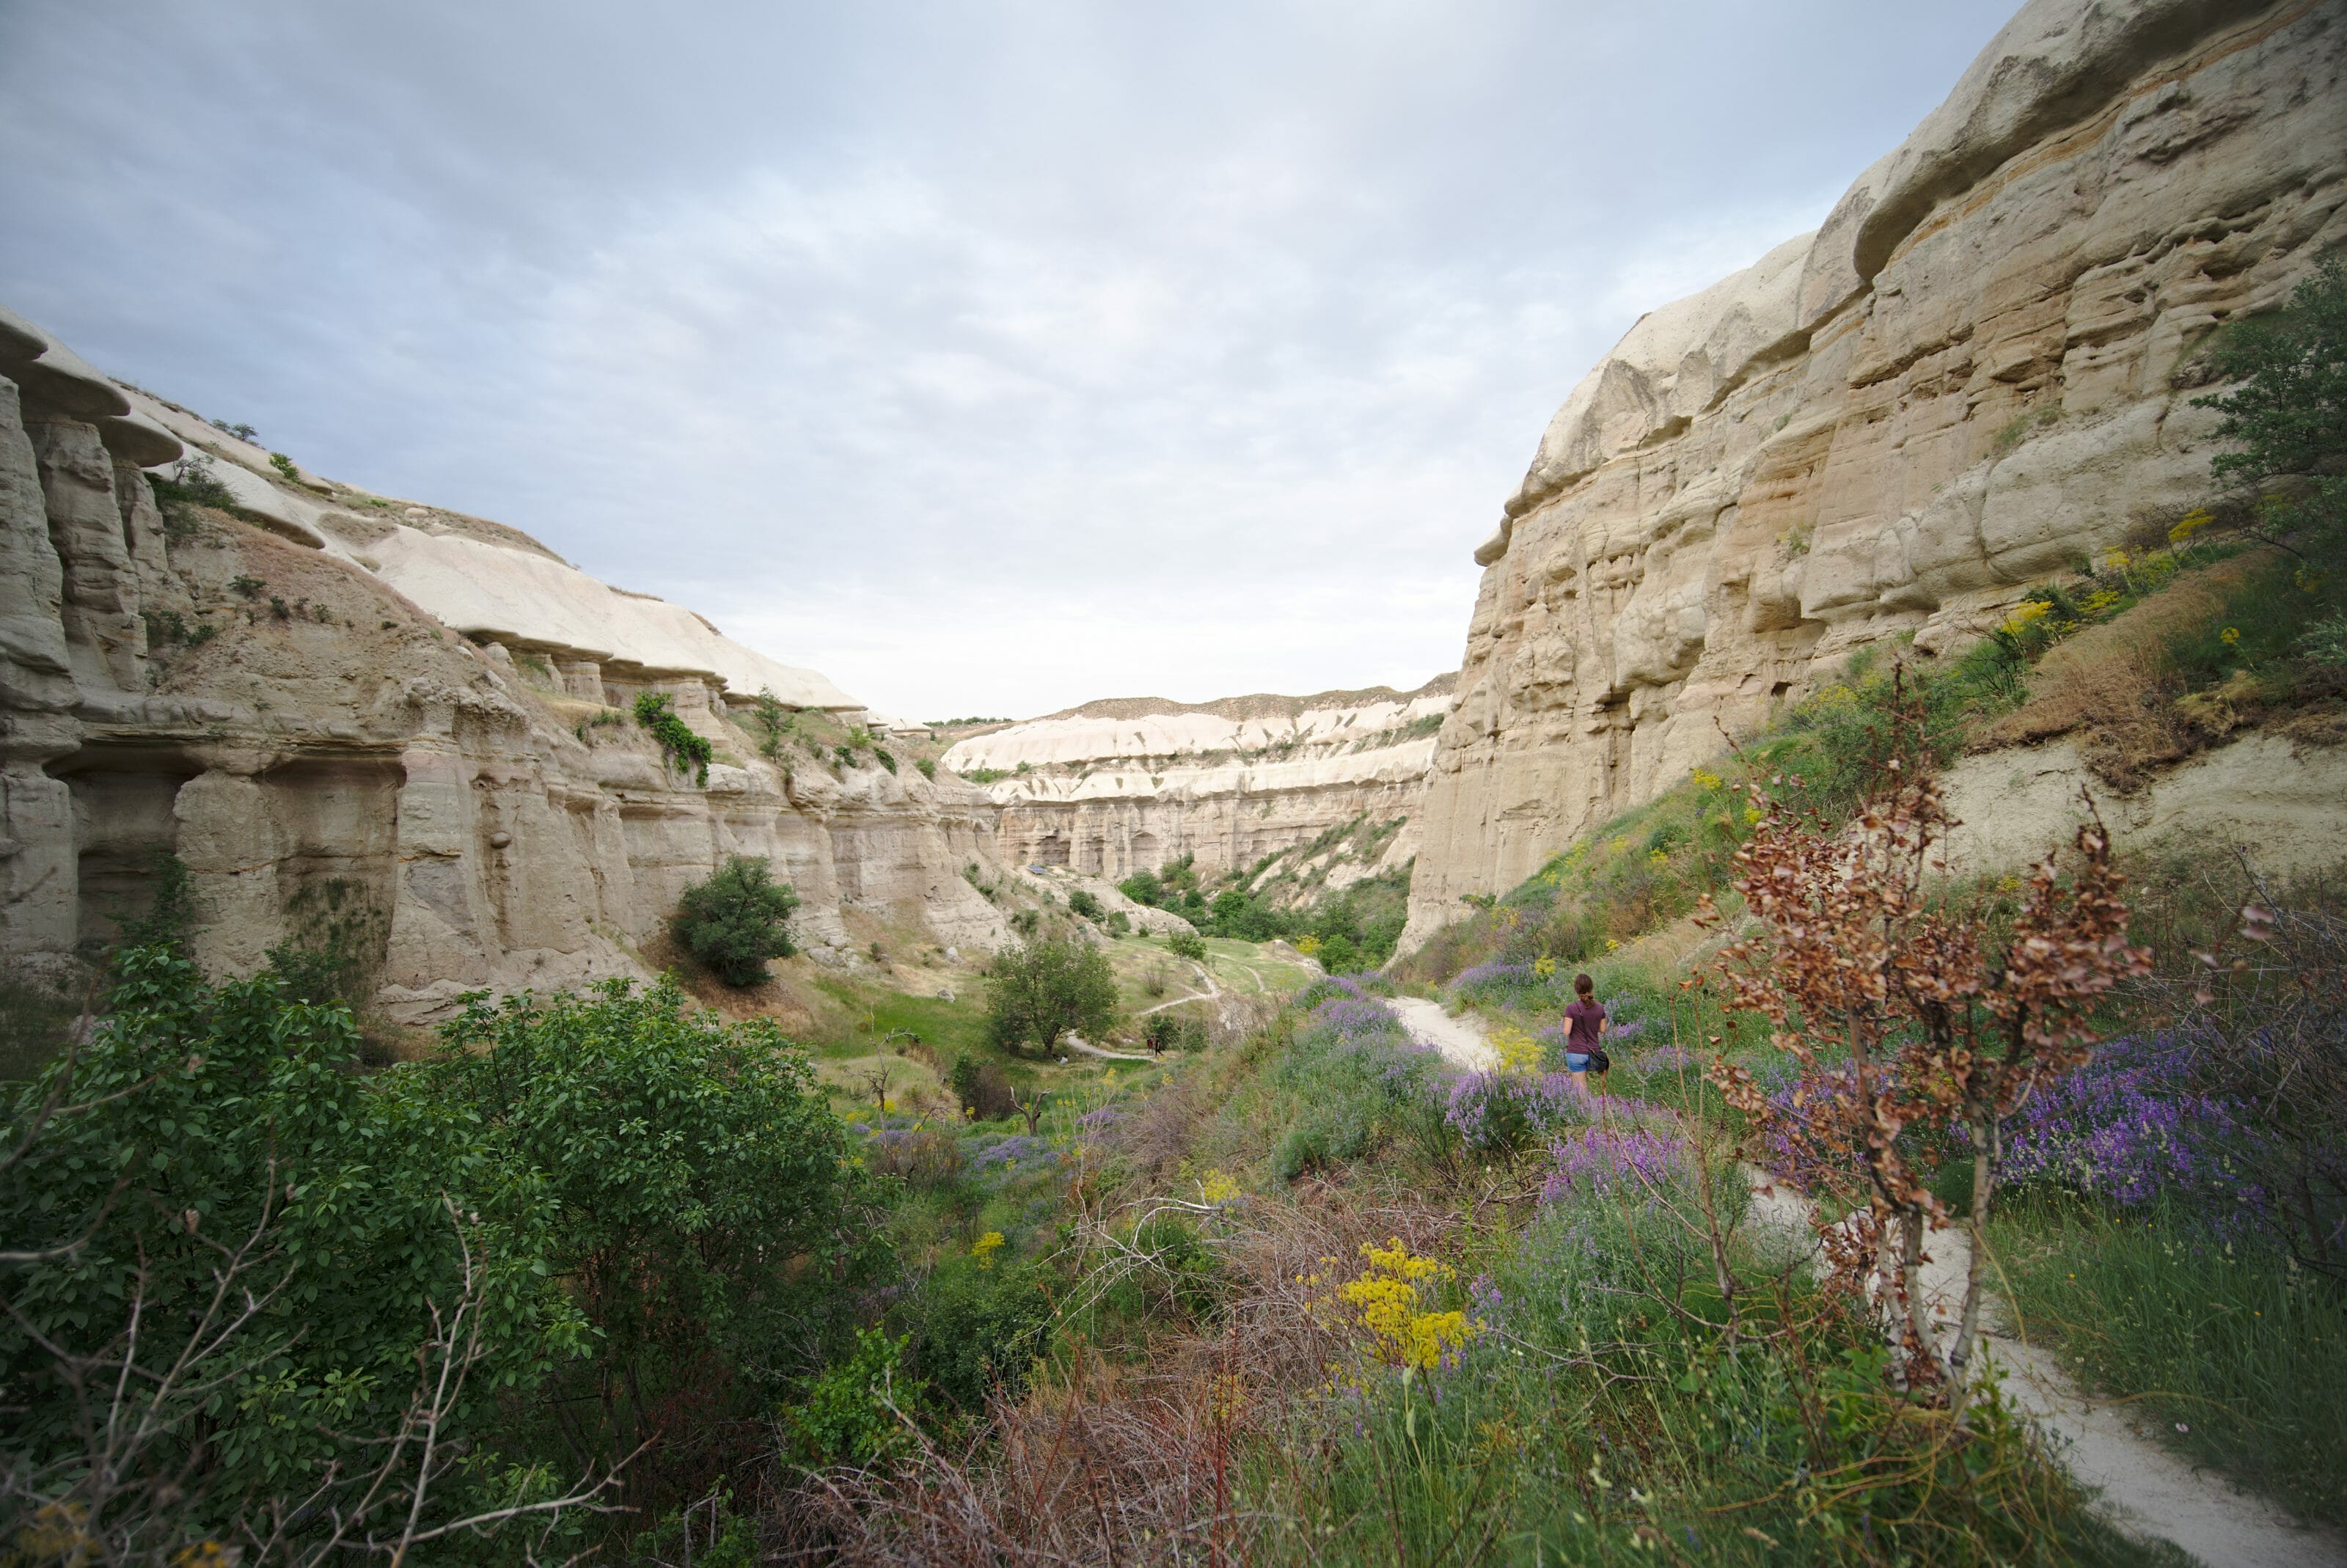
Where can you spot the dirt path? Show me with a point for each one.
(2143, 1488)
(1077, 1042)
(1209, 994)
(1459, 1039)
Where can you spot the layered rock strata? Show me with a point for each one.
(1130, 784)
(1978, 371)
(279, 695)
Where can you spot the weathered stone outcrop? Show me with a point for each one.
(1978, 371)
(1122, 786)
(284, 702)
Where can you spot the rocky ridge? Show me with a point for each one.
(1127, 785)
(387, 727)
(1980, 370)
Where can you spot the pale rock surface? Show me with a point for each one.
(1977, 372)
(327, 755)
(1128, 784)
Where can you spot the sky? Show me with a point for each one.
(987, 355)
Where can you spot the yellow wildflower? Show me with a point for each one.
(2117, 560)
(1751, 814)
(1518, 1051)
(2192, 523)
(1705, 779)
(1307, 945)
(1658, 857)
(1611, 944)
(1544, 968)
(1217, 1187)
(1387, 1298)
(2230, 637)
(984, 1249)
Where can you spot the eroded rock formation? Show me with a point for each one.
(1128, 784)
(1978, 371)
(281, 697)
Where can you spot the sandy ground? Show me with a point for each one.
(1459, 1039)
(2143, 1488)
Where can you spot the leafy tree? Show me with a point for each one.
(733, 922)
(2289, 413)
(1080, 902)
(1143, 888)
(1039, 989)
(280, 1259)
(710, 1215)
(1339, 955)
(1186, 945)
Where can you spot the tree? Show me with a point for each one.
(1902, 1021)
(982, 1087)
(733, 922)
(2288, 413)
(258, 1297)
(711, 1227)
(1186, 945)
(1039, 989)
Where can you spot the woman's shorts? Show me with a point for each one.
(1575, 1062)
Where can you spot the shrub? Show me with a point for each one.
(1186, 945)
(1082, 903)
(1039, 989)
(2289, 413)
(845, 1416)
(733, 922)
(679, 744)
(983, 1088)
(709, 1215)
(285, 466)
(888, 758)
(978, 1329)
(928, 767)
(218, 1210)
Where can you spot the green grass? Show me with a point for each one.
(2247, 1353)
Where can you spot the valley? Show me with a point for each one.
(1819, 1041)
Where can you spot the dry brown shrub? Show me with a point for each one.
(1106, 1464)
(2110, 684)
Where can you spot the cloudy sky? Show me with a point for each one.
(986, 356)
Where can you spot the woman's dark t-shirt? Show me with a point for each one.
(1586, 1015)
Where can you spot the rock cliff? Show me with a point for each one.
(386, 728)
(1127, 785)
(1978, 371)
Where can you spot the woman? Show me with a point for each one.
(1587, 1021)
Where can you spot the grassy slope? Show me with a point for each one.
(2250, 1360)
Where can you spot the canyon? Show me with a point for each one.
(1978, 371)
(1128, 784)
(389, 729)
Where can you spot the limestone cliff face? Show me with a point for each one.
(1977, 372)
(284, 702)
(1118, 786)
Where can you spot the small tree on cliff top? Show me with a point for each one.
(1902, 1022)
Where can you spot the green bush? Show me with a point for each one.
(285, 466)
(733, 922)
(1186, 945)
(210, 1143)
(979, 1328)
(683, 748)
(711, 1223)
(982, 1087)
(928, 767)
(2289, 415)
(1082, 903)
(845, 1417)
(1041, 989)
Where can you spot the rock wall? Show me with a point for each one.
(281, 697)
(1127, 785)
(1978, 371)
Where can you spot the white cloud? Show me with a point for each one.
(987, 358)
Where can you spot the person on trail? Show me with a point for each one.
(1584, 1056)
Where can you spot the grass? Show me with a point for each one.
(2226, 1340)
